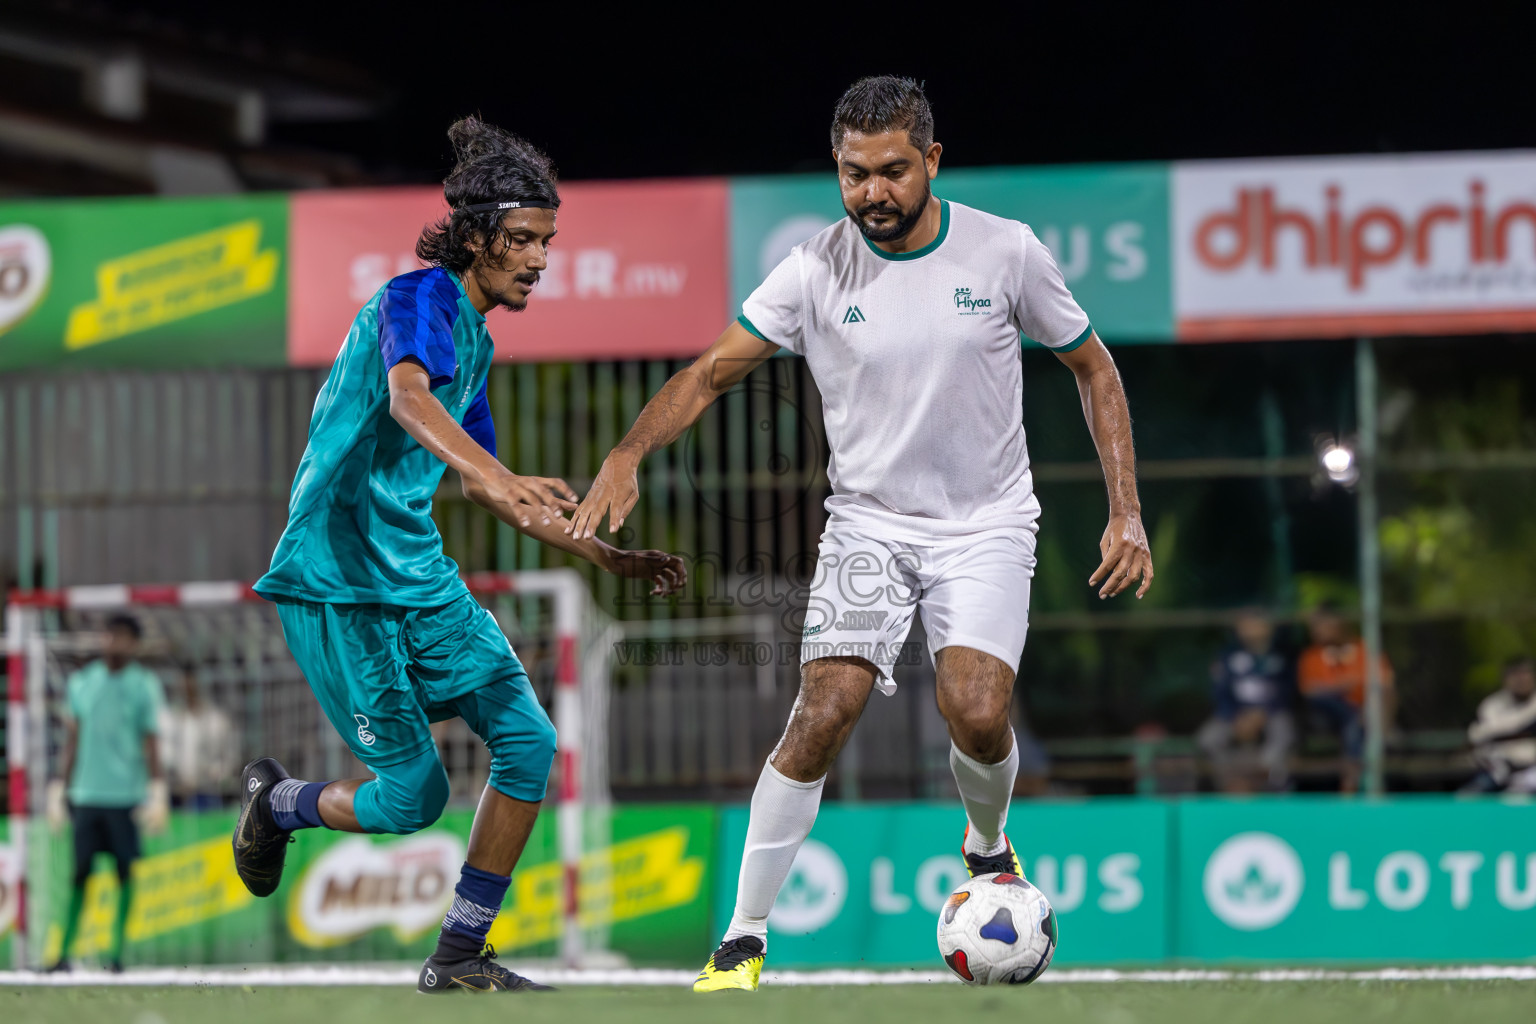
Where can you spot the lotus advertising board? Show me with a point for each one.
(867, 886)
(1327, 879)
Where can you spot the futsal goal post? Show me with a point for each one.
(219, 652)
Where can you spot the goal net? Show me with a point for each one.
(233, 692)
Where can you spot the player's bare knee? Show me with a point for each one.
(981, 730)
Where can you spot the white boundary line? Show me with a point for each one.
(391, 976)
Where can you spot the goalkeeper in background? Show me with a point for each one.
(111, 764)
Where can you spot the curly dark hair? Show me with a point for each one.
(884, 103)
(492, 166)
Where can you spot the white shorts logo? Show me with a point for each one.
(814, 891)
(1253, 881)
(363, 732)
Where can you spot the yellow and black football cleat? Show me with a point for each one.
(736, 964)
(1005, 863)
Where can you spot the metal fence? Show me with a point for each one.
(131, 477)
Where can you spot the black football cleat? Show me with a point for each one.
(473, 974)
(260, 846)
(1004, 863)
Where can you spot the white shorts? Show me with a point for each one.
(972, 591)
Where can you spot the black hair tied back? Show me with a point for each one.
(492, 166)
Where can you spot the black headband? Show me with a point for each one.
(516, 204)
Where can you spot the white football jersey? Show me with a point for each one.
(917, 359)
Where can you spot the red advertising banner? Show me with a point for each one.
(638, 271)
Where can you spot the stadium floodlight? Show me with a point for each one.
(1338, 461)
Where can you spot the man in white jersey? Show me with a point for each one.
(909, 314)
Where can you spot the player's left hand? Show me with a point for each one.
(1127, 557)
(667, 571)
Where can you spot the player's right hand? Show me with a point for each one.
(512, 497)
(614, 491)
(57, 807)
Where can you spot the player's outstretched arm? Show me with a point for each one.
(513, 499)
(1126, 555)
(532, 505)
(675, 408)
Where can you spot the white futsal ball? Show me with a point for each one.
(997, 930)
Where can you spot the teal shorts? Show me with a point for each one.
(382, 674)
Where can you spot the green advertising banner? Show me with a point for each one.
(144, 282)
(868, 885)
(1327, 879)
(646, 884)
(1107, 226)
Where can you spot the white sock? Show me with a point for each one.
(985, 790)
(783, 812)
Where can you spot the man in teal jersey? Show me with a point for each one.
(111, 764)
(376, 615)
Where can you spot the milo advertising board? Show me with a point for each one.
(143, 282)
(346, 897)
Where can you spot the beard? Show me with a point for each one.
(906, 220)
(514, 302)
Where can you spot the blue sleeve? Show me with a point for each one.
(478, 423)
(416, 317)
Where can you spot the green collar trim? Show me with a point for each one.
(916, 254)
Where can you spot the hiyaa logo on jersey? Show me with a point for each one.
(364, 734)
(969, 305)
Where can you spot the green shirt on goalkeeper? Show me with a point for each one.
(360, 527)
(115, 711)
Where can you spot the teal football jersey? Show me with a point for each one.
(360, 527)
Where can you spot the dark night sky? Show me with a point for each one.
(653, 92)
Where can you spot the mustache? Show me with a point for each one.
(528, 277)
(878, 209)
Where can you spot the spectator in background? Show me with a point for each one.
(1253, 689)
(1331, 674)
(111, 764)
(197, 745)
(1504, 735)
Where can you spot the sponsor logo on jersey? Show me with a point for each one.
(364, 733)
(969, 306)
(853, 316)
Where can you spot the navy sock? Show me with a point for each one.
(477, 900)
(296, 804)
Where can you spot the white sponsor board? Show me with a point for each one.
(1356, 245)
